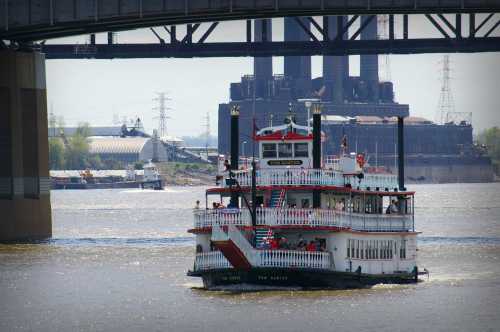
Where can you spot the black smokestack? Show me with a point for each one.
(316, 150)
(369, 62)
(235, 142)
(235, 136)
(336, 68)
(401, 154)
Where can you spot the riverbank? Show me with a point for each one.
(187, 174)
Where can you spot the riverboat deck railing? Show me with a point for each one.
(373, 181)
(268, 258)
(211, 260)
(290, 177)
(305, 218)
(313, 177)
(295, 259)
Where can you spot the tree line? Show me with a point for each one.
(72, 152)
(490, 138)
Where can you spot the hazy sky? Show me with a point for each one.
(95, 90)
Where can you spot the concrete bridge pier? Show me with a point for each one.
(25, 212)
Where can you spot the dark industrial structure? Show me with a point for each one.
(363, 109)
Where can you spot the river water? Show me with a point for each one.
(118, 262)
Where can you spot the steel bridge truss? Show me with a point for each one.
(479, 37)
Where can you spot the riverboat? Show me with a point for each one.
(295, 220)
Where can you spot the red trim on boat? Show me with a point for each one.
(233, 254)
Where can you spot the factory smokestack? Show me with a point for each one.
(369, 63)
(298, 67)
(335, 68)
(262, 66)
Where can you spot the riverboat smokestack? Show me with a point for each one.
(235, 138)
(401, 154)
(316, 150)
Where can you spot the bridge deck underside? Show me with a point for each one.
(43, 19)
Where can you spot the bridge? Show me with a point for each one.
(26, 24)
(30, 20)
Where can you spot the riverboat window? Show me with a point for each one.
(301, 150)
(402, 250)
(285, 150)
(269, 150)
(374, 249)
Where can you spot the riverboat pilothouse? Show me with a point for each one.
(296, 219)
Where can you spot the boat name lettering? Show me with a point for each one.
(284, 162)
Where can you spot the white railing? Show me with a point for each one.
(300, 217)
(294, 259)
(304, 217)
(380, 223)
(206, 218)
(289, 177)
(211, 260)
(373, 181)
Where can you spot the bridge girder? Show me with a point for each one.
(45, 19)
(451, 39)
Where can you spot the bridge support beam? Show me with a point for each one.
(24, 174)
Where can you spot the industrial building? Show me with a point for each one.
(127, 149)
(365, 105)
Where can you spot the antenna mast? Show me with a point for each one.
(162, 115)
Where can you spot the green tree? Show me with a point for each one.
(56, 153)
(77, 152)
(491, 139)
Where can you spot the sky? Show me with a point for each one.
(97, 91)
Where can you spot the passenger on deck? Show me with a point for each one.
(392, 208)
(322, 247)
(283, 244)
(197, 205)
(311, 246)
(227, 165)
(274, 244)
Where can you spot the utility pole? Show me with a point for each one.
(162, 115)
(52, 120)
(207, 132)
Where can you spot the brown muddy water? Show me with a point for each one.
(118, 262)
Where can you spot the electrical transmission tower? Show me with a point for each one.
(162, 115)
(383, 33)
(446, 104)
